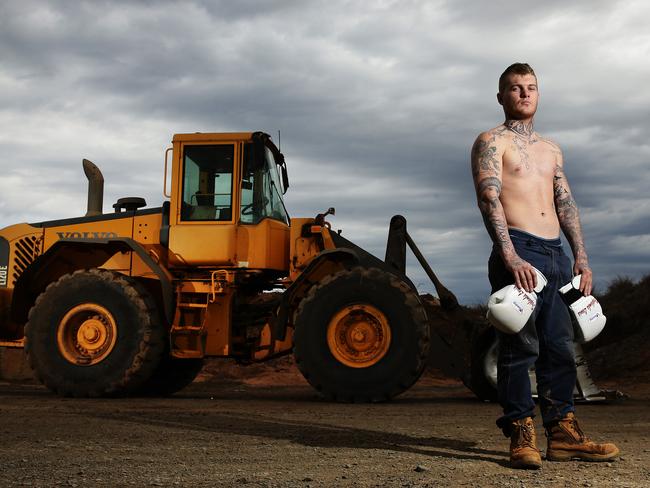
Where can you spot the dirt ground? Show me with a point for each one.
(271, 429)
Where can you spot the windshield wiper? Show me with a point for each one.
(286, 212)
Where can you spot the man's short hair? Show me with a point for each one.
(515, 69)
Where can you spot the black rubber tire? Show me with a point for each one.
(140, 338)
(484, 354)
(407, 353)
(171, 375)
(482, 349)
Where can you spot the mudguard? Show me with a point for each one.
(68, 255)
(346, 254)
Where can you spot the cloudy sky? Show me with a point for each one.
(378, 104)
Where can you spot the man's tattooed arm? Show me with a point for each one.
(486, 170)
(569, 218)
(487, 164)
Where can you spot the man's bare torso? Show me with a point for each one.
(529, 165)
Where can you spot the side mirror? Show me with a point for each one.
(285, 179)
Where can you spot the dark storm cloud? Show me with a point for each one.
(378, 104)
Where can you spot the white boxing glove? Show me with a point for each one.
(510, 308)
(586, 310)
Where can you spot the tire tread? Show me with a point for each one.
(419, 319)
(150, 347)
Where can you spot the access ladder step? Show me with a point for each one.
(188, 342)
(192, 305)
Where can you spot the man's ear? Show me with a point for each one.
(499, 99)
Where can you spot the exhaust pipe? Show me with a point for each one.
(95, 188)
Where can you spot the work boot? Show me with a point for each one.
(523, 451)
(566, 441)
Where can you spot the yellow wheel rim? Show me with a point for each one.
(359, 336)
(86, 334)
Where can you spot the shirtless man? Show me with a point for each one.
(525, 200)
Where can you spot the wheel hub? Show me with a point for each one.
(92, 333)
(86, 334)
(359, 336)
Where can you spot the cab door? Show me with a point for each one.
(202, 227)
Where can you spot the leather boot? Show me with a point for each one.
(523, 451)
(566, 441)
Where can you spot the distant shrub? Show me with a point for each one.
(627, 307)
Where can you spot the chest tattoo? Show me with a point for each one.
(523, 139)
(522, 150)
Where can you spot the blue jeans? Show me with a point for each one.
(546, 340)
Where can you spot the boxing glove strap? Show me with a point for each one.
(571, 296)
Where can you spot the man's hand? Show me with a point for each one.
(581, 267)
(523, 272)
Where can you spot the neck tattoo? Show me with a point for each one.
(524, 129)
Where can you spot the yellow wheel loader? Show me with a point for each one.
(130, 302)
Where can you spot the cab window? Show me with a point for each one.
(261, 194)
(207, 182)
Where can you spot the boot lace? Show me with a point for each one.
(525, 436)
(573, 427)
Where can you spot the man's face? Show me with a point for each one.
(519, 96)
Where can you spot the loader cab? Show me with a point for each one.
(226, 202)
